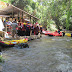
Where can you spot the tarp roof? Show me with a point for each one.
(11, 8)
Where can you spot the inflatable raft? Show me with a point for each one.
(12, 42)
(52, 33)
(45, 32)
(68, 34)
(57, 34)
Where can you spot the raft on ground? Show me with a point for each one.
(12, 42)
(52, 33)
(68, 34)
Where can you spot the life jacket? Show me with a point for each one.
(23, 28)
(27, 27)
(19, 28)
(19, 24)
(40, 28)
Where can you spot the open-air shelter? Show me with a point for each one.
(13, 11)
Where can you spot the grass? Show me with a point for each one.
(1, 59)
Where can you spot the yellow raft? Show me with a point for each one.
(68, 34)
(16, 41)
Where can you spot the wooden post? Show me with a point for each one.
(22, 16)
(33, 21)
(6, 28)
(18, 15)
(30, 18)
(12, 13)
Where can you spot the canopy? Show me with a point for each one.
(11, 9)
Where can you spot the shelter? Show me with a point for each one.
(12, 11)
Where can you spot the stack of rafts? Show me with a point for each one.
(12, 42)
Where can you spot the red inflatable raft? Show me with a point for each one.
(52, 33)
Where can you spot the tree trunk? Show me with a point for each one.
(57, 22)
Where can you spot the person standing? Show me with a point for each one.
(14, 25)
(28, 30)
(63, 33)
(58, 31)
(32, 32)
(24, 30)
(40, 31)
(37, 31)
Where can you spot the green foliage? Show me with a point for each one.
(58, 12)
(28, 8)
(68, 15)
(20, 3)
(1, 59)
(7, 1)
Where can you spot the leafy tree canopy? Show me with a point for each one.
(58, 12)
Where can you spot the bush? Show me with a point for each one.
(1, 59)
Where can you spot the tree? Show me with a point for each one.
(68, 15)
(56, 12)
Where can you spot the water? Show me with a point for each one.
(48, 54)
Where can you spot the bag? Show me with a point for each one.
(6, 35)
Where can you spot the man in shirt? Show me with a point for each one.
(14, 25)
